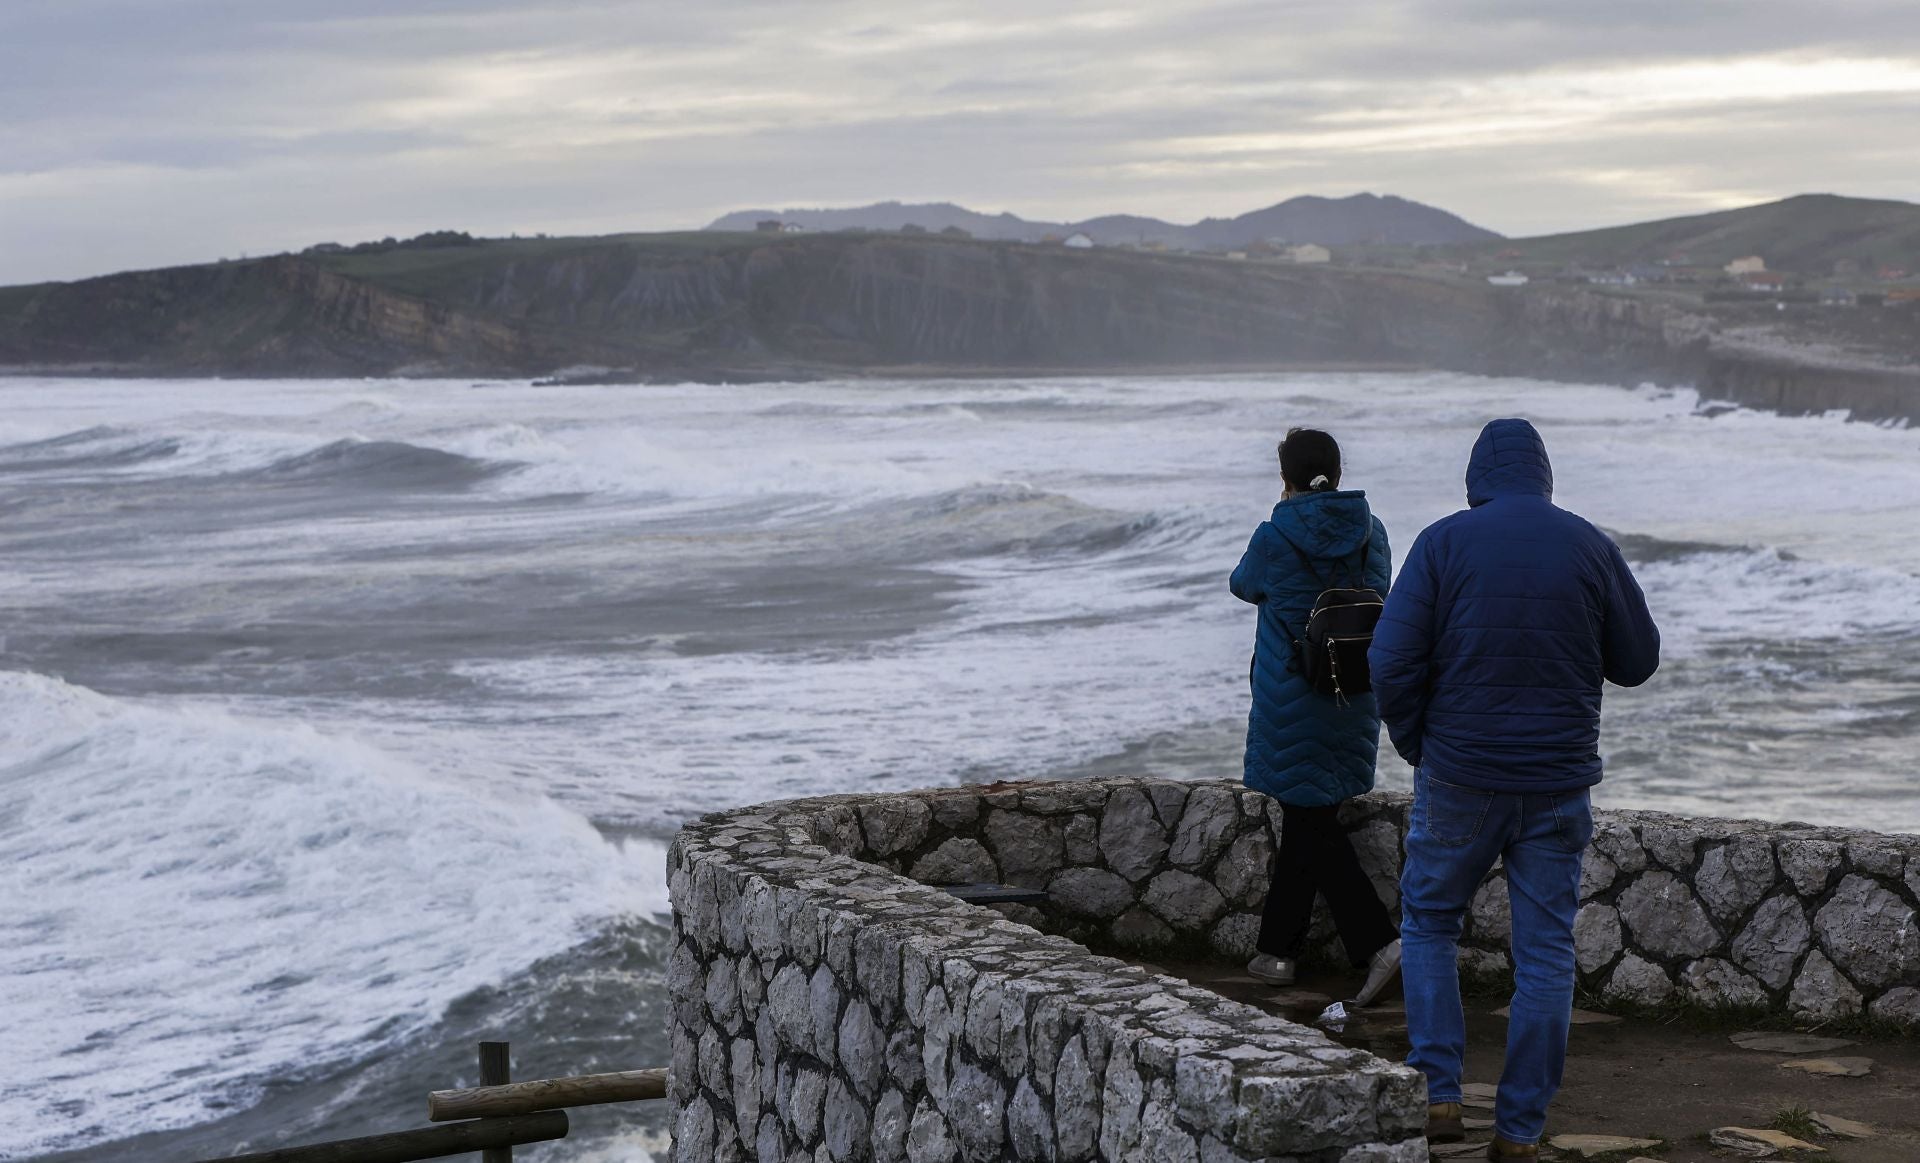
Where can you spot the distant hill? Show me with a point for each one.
(1360, 218)
(1808, 234)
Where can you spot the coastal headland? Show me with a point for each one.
(732, 307)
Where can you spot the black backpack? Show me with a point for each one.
(1331, 649)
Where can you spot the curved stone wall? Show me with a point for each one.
(830, 1006)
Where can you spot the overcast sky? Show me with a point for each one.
(139, 133)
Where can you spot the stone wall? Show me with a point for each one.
(829, 1006)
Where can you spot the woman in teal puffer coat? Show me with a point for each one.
(1305, 749)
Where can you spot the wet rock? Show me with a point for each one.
(1663, 917)
(1840, 1128)
(1617, 841)
(957, 861)
(1831, 1067)
(1783, 1043)
(1870, 933)
(1587, 1146)
(1773, 941)
(1131, 836)
(1758, 1143)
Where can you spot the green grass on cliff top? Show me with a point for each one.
(426, 271)
(1807, 234)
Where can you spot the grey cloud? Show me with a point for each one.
(136, 133)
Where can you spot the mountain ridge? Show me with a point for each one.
(1357, 218)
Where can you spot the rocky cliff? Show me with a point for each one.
(737, 306)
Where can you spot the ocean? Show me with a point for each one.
(344, 723)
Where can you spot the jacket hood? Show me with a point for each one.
(1509, 460)
(1325, 525)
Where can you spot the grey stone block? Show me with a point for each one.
(804, 1103)
(895, 824)
(929, 1138)
(1090, 892)
(1246, 869)
(1076, 1103)
(1714, 983)
(976, 1108)
(1662, 916)
(1736, 876)
(890, 1121)
(1900, 1005)
(957, 861)
(1821, 992)
(1596, 937)
(1139, 929)
(847, 1126)
(1809, 863)
(1029, 1127)
(1207, 825)
(1028, 848)
(1132, 838)
(861, 1048)
(1082, 840)
(1870, 933)
(1639, 981)
(1236, 936)
(1774, 940)
(1184, 900)
(1596, 874)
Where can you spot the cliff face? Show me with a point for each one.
(835, 305)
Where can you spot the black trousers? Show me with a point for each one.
(1317, 859)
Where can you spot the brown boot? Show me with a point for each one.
(1501, 1149)
(1443, 1123)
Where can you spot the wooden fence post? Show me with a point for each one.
(495, 1069)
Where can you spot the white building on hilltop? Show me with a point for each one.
(1510, 279)
(1752, 264)
(1309, 252)
(1078, 241)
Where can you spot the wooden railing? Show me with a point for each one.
(497, 1116)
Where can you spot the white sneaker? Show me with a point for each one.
(1380, 971)
(1270, 969)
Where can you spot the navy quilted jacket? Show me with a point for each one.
(1304, 748)
(1490, 655)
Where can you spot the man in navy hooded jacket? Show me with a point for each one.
(1488, 664)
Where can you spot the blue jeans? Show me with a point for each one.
(1455, 835)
